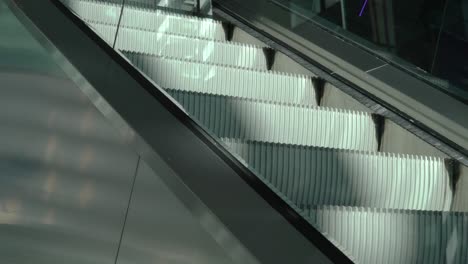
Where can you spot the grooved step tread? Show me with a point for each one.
(394, 236)
(324, 176)
(229, 117)
(147, 19)
(206, 78)
(182, 47)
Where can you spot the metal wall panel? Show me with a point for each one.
(65, 174)
(193, 49)
(160, 229)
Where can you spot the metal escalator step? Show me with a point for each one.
(147, 19)
(323, 176)
(394, 236)
(200, 50)
(95, 11)
(165, 22)
(175, 4)
(213, 79)
(229, 117)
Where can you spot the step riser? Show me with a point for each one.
(250, 120)
(212, 79)
(318, 176)
(395, 236)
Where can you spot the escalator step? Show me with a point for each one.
(161, 21)
(323, 176)
(394, 236)
(212, 79)
(199, 50)
(229, 117)
(96, 11)
(147, 19)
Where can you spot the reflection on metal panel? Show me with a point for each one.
(65, 174)
(159, 229)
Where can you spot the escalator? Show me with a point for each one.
(377, 192)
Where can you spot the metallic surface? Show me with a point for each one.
(247, 227)
(146, 19)
(321, 176)
(199, 50)
(393, 93)
(340, 177)
(264, 86)
(376, 235)
(173, 46)
(65, 173)
(229, 117)
(159, 228)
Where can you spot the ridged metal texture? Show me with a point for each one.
(212, 79)
(95, 11)
(229, 117)
(147, 19)
(322, 176)
(165, 22)
(175, 4)
(395, 236)
(253, 110)
(199, 50)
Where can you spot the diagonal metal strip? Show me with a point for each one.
(395, 236)
(213, 79)
(107, 32)
(200, 50)
(147, 19)
(229, 117)
(323, 176)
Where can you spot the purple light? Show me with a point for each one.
(362, 9)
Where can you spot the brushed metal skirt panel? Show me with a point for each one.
(65, 174)
(159, 228)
